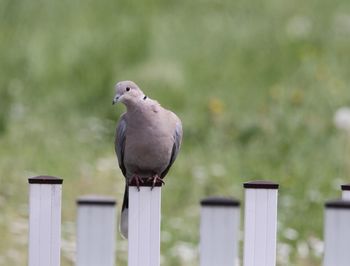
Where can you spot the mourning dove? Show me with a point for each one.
(148, 139)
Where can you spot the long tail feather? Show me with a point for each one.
(124, 214)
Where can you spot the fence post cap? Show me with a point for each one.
(52, 180)
(96, 200)
(345, 187)
(261, 184)
(220, 201)
(337, 204)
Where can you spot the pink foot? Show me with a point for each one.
(154, 180)
(137, 181)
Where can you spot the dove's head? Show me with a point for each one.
(127, 92)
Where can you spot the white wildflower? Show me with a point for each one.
(342, 119)
(317, 246)
(299, 27)
(290, 234)
(185, 251)
(283, 253)
(303, 249)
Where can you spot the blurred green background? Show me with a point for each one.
(256, 84)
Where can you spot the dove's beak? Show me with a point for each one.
(116, 99)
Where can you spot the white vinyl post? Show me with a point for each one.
(337, 233)
(96, 231)
(219, 231)
(260, 223)
(44, 221)
(345, 191)
(144, 225)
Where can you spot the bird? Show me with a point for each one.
(148, 138)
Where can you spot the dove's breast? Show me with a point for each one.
(149, 145)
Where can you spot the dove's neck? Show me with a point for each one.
(138, 105)
(142, 107)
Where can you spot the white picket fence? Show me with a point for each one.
(220, 220)
(96, 231)
(219, 227)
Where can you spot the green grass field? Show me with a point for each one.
(256, 84)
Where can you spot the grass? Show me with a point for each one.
(256, 84)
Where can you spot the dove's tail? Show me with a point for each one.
(124, 215)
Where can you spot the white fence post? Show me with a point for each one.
(144, 225)
(337, 233)
(260, 223)
(96, 231)
(345, 191)
(44, 221)
(219, 231)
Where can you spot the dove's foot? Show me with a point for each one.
(136, 180)
(154, 180)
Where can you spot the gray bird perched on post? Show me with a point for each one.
(148, 139)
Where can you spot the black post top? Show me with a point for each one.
(52, 180)
(337, 204)
(96, 200)
(345, 187)
(261, 184)
(217, 201)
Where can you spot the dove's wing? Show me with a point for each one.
(176, 147)
(120, 143)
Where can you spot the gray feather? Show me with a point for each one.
(120, 142)
(176, 147)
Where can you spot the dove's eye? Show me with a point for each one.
(127, 88)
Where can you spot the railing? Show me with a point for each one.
(219, 227)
